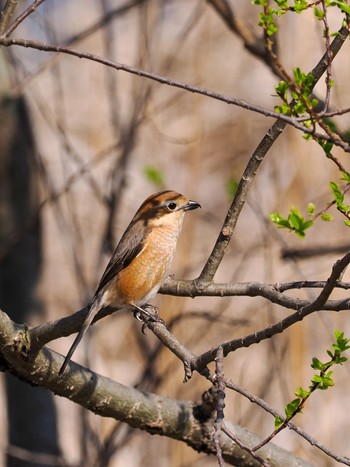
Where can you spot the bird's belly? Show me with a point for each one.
(140, 281)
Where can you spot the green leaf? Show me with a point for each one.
(231, 187)
(282, 89)
(154, 175)
(283, 109)
(282, 4)
(340, 360)
(346, 136)
(307, 224)
(319, 14)
(296, 220)
(302, 393)
(327, 146)
(267, 21)
(342, 343)
(316, 364)
(292, 407)
(299, 6)
(307, 136)
(331, 124)
(343, 6)
(316, 379)
(314, 103)
(279, 220)
(297, 74)
(311, 208)
(338, 195)
(299, 108)
(278, 422)
(326, 217)
(303, 80)
(339, 335)
(308, 124)
(323, 381)
(345, 177)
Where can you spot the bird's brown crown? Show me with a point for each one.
(162, 203)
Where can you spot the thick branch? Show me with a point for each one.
(180, 420)
(271, 292)
(63, 327)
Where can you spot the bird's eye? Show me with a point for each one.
(172, 206)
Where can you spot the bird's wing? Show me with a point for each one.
(130, 246)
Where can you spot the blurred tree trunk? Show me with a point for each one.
(31, 411)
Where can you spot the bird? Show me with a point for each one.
(141, 261)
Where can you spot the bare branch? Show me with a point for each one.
(261, 403)
(27, 12)
(177, 419)
(272, 292)
(6, 14)
(253, 165)
(253, 43)
(244, 446)
(8, 42)
(220, 403)
(203, 360)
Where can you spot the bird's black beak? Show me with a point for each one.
(191, 205)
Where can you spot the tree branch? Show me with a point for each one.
(8, 42)
(6, 14)
(203, 360)
(27, 12)
(253, 165)
(180, 420)
(271, 292)
(254, 44)
(261, 403)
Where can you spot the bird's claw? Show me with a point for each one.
(148, 314)
(137, 314)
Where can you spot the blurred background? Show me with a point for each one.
(82, 145)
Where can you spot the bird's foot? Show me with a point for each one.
(147, 314)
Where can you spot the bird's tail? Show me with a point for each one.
(94, 309)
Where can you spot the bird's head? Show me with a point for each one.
(165, 208)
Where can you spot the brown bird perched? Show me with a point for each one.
(141, 261)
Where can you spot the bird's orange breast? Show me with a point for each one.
(140, 281)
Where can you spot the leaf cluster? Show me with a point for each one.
(338, 195)
(267, 18)
(295, 222)
(322, 380)
(295, 96)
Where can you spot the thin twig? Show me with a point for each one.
(8, 42)
(203, 360)
(6, 14)
(244, 446)
(261, 403)
(329, 58)
(252, 167)
(27, 12)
